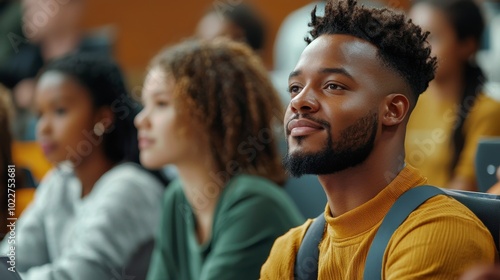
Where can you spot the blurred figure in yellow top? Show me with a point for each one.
(454, 113)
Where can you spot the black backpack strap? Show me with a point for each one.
(398, 213)
(306, 261)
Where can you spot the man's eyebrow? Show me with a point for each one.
(323, 71)
(294, 74)
(335, 71)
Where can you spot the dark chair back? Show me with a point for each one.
(485, 206)
(486, 163)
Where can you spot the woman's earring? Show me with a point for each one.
(99, 129)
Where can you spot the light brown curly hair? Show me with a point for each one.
(223, 87)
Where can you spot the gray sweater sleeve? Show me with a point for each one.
(28, 241)
(111, 223)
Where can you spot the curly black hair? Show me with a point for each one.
(402, 45)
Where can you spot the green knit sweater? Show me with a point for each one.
(251, 213)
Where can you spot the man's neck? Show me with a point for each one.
(352, 187)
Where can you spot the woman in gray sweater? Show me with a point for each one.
(97, 207)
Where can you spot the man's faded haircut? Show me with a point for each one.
(402, 45)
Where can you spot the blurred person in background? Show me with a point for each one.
(209, 109)
(489, 56)
(454, 113)
(97, 207)
(240, 22)
(51, 29)
(10, 28)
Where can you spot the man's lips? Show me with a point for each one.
(303, 127)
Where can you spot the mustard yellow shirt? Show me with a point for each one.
(428, 136)
(439, 240)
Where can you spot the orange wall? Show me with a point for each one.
(144, 27)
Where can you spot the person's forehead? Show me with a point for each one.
(340, 50)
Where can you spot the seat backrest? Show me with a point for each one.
(486, 163)
(485, 206)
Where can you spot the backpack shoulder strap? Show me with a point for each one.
(398, 213)
(306, 261)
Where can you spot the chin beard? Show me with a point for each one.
(355, 144)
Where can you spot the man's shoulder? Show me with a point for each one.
(442, 209)
(441, 231)
(444, 220)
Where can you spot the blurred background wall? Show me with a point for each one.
(144, 27)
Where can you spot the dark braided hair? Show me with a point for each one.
(223, 87)
(466, 19)
(402, 45)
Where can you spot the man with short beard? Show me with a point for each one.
(352, 92)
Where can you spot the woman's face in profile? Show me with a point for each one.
(164, 136)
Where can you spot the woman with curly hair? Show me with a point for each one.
(209, 109)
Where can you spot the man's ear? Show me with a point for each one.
(395, 107)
